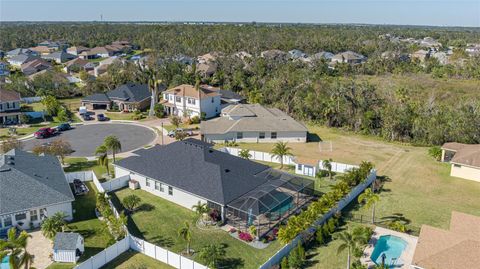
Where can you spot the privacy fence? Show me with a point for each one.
(287, 160)
(129, 242)
(284, 251)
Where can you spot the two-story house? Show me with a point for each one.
(187, 101)
(9, 107)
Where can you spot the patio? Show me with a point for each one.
(41, 248)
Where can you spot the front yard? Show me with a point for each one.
(158, 221)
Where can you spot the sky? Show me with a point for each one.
(401, 12)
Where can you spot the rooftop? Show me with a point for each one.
(66, 241)
(190, 91)
(466, 154)
(8, 96)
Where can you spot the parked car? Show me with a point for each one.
(186, 131)
(45, 132)
(64, 127)
(87, 117)
(101, 117)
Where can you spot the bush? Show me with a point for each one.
(158, 108)
(284, 264)
(25, 119)
(296, 258)
(435, 152)
(245, 237)
(195, 120)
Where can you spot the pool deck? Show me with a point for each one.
(405, 258)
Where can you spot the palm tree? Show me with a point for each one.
(370, 198)
(151, 74)
(200, 208)
(280, 149)
(54, 224)
(245, 153)
(328, 165)
(16, 247)
(348, 243)
(102, 153)
(186, 234)
(211, 255)
(113, 143)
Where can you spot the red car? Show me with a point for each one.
(44, 132)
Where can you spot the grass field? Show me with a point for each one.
(417, 186)
(158, 221)
(131, 260)
(82, 164)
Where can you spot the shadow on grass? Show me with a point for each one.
(80, 166)
(145, 207)
(395, 217)
(162, 241)
(230, 263)
(132, 227)
(312, 137)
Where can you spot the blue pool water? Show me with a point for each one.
(391, 246)
(4, 264)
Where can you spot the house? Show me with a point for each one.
(56, 45)
(76, 65)
(207, 70)
(34, 66)
(228, 97)
(59, 57)
(429, 42)
(17, 61)
(243, 192)
(32, 188)
(209, 57)
(473, 50)
(349, 57)
(77, 50)
(127, 97)
(296, 54)
(87, 55)
(9, 107)
(183, 59)
(185, 100)
(42, 50)
(103, 65)
(102, 52)
(19, 51)
(68, 247)
(458, 247)
(465, 160)
(274, 55)
(323, 55)
(253, 123)
(4, 70)
(441, 57)
(420, 55)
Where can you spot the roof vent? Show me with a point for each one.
(11, 157)
(227, 170)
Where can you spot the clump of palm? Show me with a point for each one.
(15, 246)
(353, 241)
(211, 255)
(185, 233)
(280, 150)
(131, 201)
(245, 154)
(327, 164)
(201, 209)
(370, 199)
(54, 224)
(102, 153)
(113, 143)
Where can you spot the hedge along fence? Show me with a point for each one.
(353, 194)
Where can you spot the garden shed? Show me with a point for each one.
(68, 247)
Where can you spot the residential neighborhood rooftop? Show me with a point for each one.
(466, 154)
(66, 241)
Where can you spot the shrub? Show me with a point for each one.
(253, 230)
(397, 226)
(195, 120)
(435, 152)
(296, 258)
(245, 237)
(284, 264)
(158, 108)
(215, 215)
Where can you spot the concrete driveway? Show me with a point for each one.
(84, 139)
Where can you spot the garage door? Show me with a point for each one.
(99, 106)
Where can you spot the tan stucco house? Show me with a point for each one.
(465, 159)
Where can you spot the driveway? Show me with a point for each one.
(84, 139)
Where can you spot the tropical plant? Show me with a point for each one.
(11, 143)
(397, 226)
(211, 255)
(284, 263)
(54, 224)
(252, 230)
(185, 233)
(327, 164)
(130, 202)
(435, 152)
(281, 149)
(117, 225)
(296, 258)
(370, 199)
(201, 209)
(175, 121)
(113, 143)
(52, 105)
(347, 243)
(180, 135)
(15, 246)
(102, 155)
(245, 154)
(62, 115)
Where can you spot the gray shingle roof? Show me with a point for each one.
(197, 169)
(62, 56)
(130, 92)
(66, 241)
(97, 97)
(23, 58)
(28, 181)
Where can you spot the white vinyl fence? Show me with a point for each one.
(115, 184)
(106, 255)
(287, 160)
(30, 100)
(107, 186)
(284, 251)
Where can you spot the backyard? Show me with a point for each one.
(82, 164)
(134, 260)
(157, 221)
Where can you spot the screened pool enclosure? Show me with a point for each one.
(270, 203)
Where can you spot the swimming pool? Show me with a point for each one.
(4, 264)
(391, 246)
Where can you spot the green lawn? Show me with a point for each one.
(96, 234)
(134, 260)
(183, 125)
(82, 164)
(158, 220)
(120, 115)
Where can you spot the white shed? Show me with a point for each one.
(68, 247)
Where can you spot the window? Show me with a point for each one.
(33, 215)
(147, 183)
(170, 190)
(8, 105)
(7, 221)
(273, 135)
(299, 167)
(1, 106)
(161, 187)
(157, 185)
(239, 135)
(261, 135)
(178, 99)
(22, 216)
(191, 101)
(43, 213)
(212, 99)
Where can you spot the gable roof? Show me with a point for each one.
(60, 55)
(197, 169)
(190, 91)
(131, 92)
(28, 181)
(253, 118)
(18, 51)
(458, 247)
(466, 154)
(37, 64)
(23, 58)
(6, 95)
(78, 62)
(66, 241)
